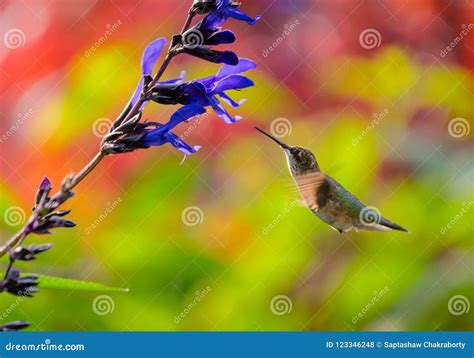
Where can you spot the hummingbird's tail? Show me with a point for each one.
(391, 225)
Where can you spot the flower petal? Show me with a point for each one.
(183, 114)
(239, 15)
(151, 54)
(136, 94)
(227, 57)
(230, 101)
(175, 80)
(243, 65)
(160, 135)
(220, 37)
(234, 82)
(179, 144)
(221, 111)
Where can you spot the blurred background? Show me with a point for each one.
(380, 91)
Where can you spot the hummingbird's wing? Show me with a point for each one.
(314, 188)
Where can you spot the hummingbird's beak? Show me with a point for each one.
(280, 143)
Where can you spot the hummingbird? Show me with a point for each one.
(328, 199)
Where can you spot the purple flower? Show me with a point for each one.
(204, 92)
(147, 134)
(208, 33)
(162, 133)
(149, 58)
(221, 12)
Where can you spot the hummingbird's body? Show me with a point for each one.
(328, 199)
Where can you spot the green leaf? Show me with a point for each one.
(59, 283)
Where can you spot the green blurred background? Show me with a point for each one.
(218, 243)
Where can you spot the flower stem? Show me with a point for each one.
(69, 184)
(20, 235)
(86, 170)
(188, 21)
(161, 70)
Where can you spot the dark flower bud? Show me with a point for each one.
(203, 6)
(123, 128)
(126, 137)
(43, 191)
(42, 225)
(13, 326)
(30, 252)
(20, 286)
(227, 57)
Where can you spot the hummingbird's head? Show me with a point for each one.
(300, 160)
